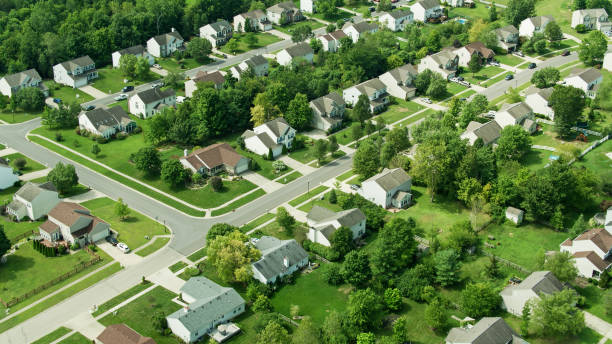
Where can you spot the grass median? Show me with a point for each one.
(239, 202)
(120, 298)
(303, 198)
(156, 245)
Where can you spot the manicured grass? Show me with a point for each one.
(14, 229)
(110, 80)
(415, 118)
(340, 15)
(536, 159)
(239, 202)
(275, 230)
(561, 11)
(400, 110)
(345, 136)
(289, 178)
(68, 94)
(597, 161)
(452, 88)
(322, 203)
(53, 336)
(121, 298)
(265, 166)
(547, 137)
(301, 199)
(257, 222)
(263, 39)
(76, 338)
(346, 175)
(587, 336)
(137, 314)
(173, 65)
(288, 29)
(6, 195)
(509, 59)
(132, 230)
(495, 79)
(483, 74)
(156, 245)
(177, 266)
(307, 154)
(594, 301)
(31, 165)
(18, 117)
(479, 11)
(197, 255)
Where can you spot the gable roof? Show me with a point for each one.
(516, 110)
(401, 74)
(488, 132)
(264, 138)
(103, 119)
(588, 75)
(593, 12)
(442, 57)
(201, 287)
(540, 282)
(254, 14)
(481, 48)
(370, 87)
(299, 50)
(598, 236)
(154, 94)
(282, 7)
(31, 190)
(594, 259)
(428, 4)
(507, 30)
(220, 25)
(73, 214)
(539, 21)
(273, 252)
(163, 39)
(122, 334)
(135, 50)
(22, 77)
(256, 60)
(489, 330)
(82, 61)
(346, 218)
(215, 77)
(214, 155)
(389, 179)
(401, 13)
(542, 92)
(278, 126)
(361, 27)
(326, 103)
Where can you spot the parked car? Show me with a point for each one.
(354, 187)
(157, 66)
(463, 99)
(427, 100)
(122, 96)
(509, 77)
(532, 65)
(157, 84)
(111, 239)
(519, 53)
(123, 247)
(57, 100)
(565, 53)
(372, 9)
(490, 114)
(89, 107)
(127, 88)
(494, 63)
(460, 78)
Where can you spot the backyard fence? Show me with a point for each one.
(591, 147)
(287, 319)
(23, 235)
(507, 262)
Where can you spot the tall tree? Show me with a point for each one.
(567, 102)
(356, 268)
(63, 177)
(517, 10)
(493, 12)
(231, 257)
(475, 64)
(556, 315)
(436, 314)
(147, 160)
(273, 333)
(361, 110)
(173, 173)
(306, 333)
(362, 308)
(5, 243)
(593, 48)
(320, 150)
(479, 299)
(342, 240)
(299, 113)
(553, 32)
(546, 77)
(366, 160)
(199, 49)
(447, 267)
(561, 264)
(127, 65)
(395, 248)
(513, 143)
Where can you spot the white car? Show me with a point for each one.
(123, 247)
(427, 100)
(494, 63)
(157, 84)
(122, 96)
(157, 66)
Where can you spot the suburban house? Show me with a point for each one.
(217, 78)
(374, 89)
(147, 103)
(257, 64)
(296, 52)
(444, 63)
(488, 330)
(308, 6)
(217, 33)
(587, 80)
(8, 177)
(33, 200)
(533, 25)
(488, 132)
(72, 223)
(453, 3)
(396, 20)
(284, 13)
(356, 30)
(591, 251)
(400, 81)
(426, 9)
(270, 136)
(538, 101)
(216, 158)
(323, 223)
(507, 37)
(75, 73)
(515, 296)
(256, 20)
(279, 258)
(121, 334)
(592, 19)
(607, 61)
(608, 220)
(11, 84)
(515, 215)
(466, 52)
(137, 50)
(328, 111)
(166, 44)
(106, 122)
(331, 41)
(388, 189)
(516, 114)
(209, 305)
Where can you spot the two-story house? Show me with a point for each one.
(591, 252)
(256, 20)
(488, 132)
(374, 89)
(75, 73)
(217, 33)
(425, 10)
(592, 19)
(533, 25)
(396, 20)
(607, 61)
(166, 44)
(538, 100)
(33, 200)
(507, 37)
(284, 13)
(357, 30)
(323, 223)
(106, 122)
(147, 103)
(489, 330)
(331, 41)
(12, 83)
(214, 159)
(73, 223)
(308, 6)
(8, 177)
(269, 137)
(137, 50)
(257, 64)
(466, 52)
(536, 285)
(516, 114)
(388, 189)
(454, 3)
(327, 112)
(588, 80)
(298, 52)
(444, 63)
(279, 258)
(400, 81)
(217, 78)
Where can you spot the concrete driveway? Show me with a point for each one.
(168, 280)
(125, 259)
(266, 184)
(94, 92)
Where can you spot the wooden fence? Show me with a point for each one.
(23, 235)
(507, 262)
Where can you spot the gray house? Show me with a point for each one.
(507, 37)
(11, 84)
(279, 258)
(327, 111)
(75, 73)
(514, 297)
(389, 188)
(323, 223)
(106, 122)
(33, 200)
(489, 330)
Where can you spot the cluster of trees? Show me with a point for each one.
(134, 67)
(64, 117)
(48, 251)
(63, 177)
(230, 256)
(372, 154)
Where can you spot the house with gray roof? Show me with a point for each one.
(217, 78)
(396, 20)
(488, 132)
(256, 20)
(279, 258)
(217, 33)
(586, 79)
(297, 52)
(256, 64)
(507, 37)
(8, 177)
(515, 296)
(75, 73)
(533, 25)
(323, 223)
(357, 30)
(12, 83)
(516, 114)
(327, 111)
(400, 81)
(209, 305)
(592, 19)
(284, 13)
(33, 200)
(489, 330)
(425, 10)
(165, 44)
(138, 50)
(374, 89)
(388, 189)
(608, 220)
(106, 122)
(270, 136)
(538, 100)
(332, 40)
(444, 63)
(147, 103)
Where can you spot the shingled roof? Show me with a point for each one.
(31, 190)
(22, 77)
(122, 334)
(326, 103)
(163, 39)
(588, 75)
(299, 50)
(273, 253)
(389, 179)
(480, 48)
(516, 110)
(346, 218)
(489, 330)
(599, 236)
(75, 216)
(103, 119)
(540, 282)
(135, 50)
(215, 77)
(214, 155)
(594, 258)
(78, 62)
(282, 7)
(428, 4)
(154, 94)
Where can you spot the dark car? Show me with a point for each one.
(127, 88)
(532, 65)
(57, 100)
(460, 78)
(372, 9)
(509, 77)
(111, 239)
(565, 53)
(89, 107)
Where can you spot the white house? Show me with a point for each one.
(591, 251)
(215, 159)
(592, 19)
(209, 305)
(106, 122)
(137, 50)
(72, 223)
(444, 63)
(515, 215)
(270, 136)
(608, 220)
(284, 13)
(256, 20)
(295, 53)
(488, 330)
(327, 111)
(12, 83)
(516, 114)
(33, 200)
(217, 78)
(389, 188)
(217, 33)
(308, 6)
(8, 177)
(331, 41)
(538, 100)
(400, 81)
(466, 52)
(323, 223)
(507, 37)
(514, 297)
(587, 80)
(396, 20)
(147, 103)
(453, 3)
(374, 89)
(75, 73)
(256, 64)
(357, 30)
(166, 44)
(488, 132)
(607, 61)
(279, 258)
(426, 9)
(533, 25)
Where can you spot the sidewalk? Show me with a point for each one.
(279, 34)
(94, 92)
(7, 151)
(34, 175)
(296, 165)
(266, 184)
(598, 325)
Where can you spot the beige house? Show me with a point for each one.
(388, 189)
(256, 20)
(444, 63)
(217, 33)
(514, 297)
(466, 52)
(214, 159)
(73, 223)
(327, 111)
(507, 37)
(284, 13)
(591, 251)
(166, 44)
(400, 81)
(75, 73)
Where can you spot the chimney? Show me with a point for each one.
(185, 152)
(286, 262)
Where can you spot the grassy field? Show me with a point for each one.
(288, 29)
(587, 336)
(597, 161)
(288, 178)
(76, 338)
(53, 336)
(479, 11)
(156, 245)
(120, 298)
(68, 94)
(31, 165)
(19, 116)
(483, 75)
(320, 202)
(265, 166)
(547, 137)
(413, 119)
(509, 59)
(561, 11)
(536, 159)
(110, 80)
(239, 202)
(275, 230)
(301, 199)
(132, 230)
(263, 39)
(173, 65)
(14, 229)
(399, 111)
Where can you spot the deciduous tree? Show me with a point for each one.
(513, 143)
(556, 315)
(63, 177)
(356, 268)
(231, 257)
(567, 102)
(122, 210)
(299, 113)
(147, 160)
(199, 49)
(447, 267)
(366, 160)
(479, 299)
(173, 173)
(561, 264)
(593, 48)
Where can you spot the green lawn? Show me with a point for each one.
(68, 94)
(31, 165)
(346, 175)
(547, 137)
(340, 15)
(197, 255)
(173, 65)
(415, 118)
(561, 11)
(289, 177)
(320, 202)
(484, 74)
(452, 88)
(19, 116)
(479, 11)
(288, 29)
(137, 314)
(110, 80)
(14, 229)
(509, 59)
(121, 298)
(265, 166)
(301, 199)
(257, 222)
(345, 136)
(263, 39)
(156, 245)
(53, 336)
(536, 159)
(399, 111)
(76, 338)
(275, 230)
(495, 79)
(587, 336)
(132, 230)
(597, 161)
(177, 266)
(307, 154)
(239, 202)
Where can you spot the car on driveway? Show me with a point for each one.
(111, 239)
(122, 96)
(565, 53)
(89, 107)
(127, 88)
(460, 78)
(57, 100)
(426, 100)
(157, 84)
(157, 66)
(354, 187)
(509, 77)
(519, 53)
(123, 247)
(532, 65)
(494, 63)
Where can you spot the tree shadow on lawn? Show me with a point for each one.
(14, 263)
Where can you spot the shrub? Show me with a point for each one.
(580, 28)
(332, 275)
(122, 136)
(323, 251)
(77, 131)
(215, 183)
(92, 247)
(59, 137)
(75, 246)
(61, 249)
(137, 130)
(20, 163)
(101, 139)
